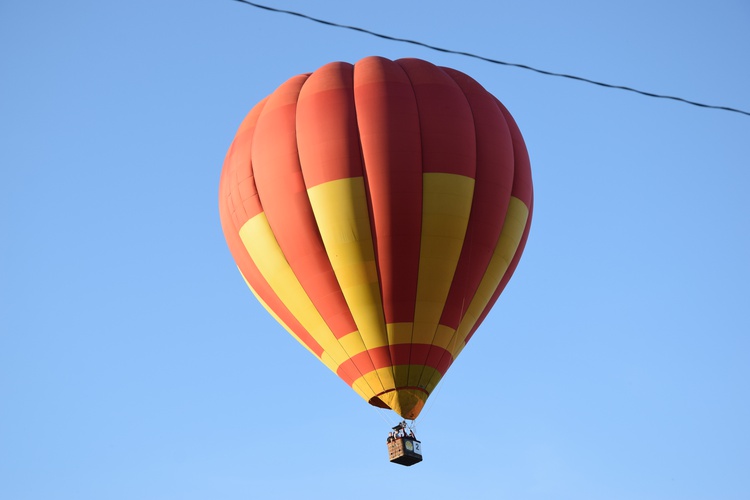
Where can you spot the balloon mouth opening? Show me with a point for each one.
(376, 401)
(406, 401)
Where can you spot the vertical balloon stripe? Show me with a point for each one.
(328, 148)
(506, 249)
(448, 165)
(511, 242)
(263, 248)
(246, 190)
(389, 132)
(263, 291)
(524, 191)
(282, 191)
(445, 215)
(494, 180)
(343, 220)
(236, 205)
(507, 245)
(278, 175)
(508, 273)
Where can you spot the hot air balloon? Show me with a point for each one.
(377, 210)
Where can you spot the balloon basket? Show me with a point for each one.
(405, 451)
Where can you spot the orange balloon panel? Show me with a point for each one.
(377, 210)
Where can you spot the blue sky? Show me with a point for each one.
(135, 363)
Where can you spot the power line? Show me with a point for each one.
(493, 61)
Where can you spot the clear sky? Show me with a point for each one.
(136, 364)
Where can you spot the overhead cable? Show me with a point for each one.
(493, 61)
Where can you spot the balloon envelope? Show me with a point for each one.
(377, 210)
